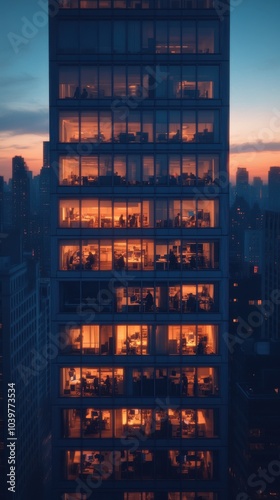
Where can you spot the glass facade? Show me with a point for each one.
(139, 145)
(136, 170)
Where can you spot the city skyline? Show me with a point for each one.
(254, 126)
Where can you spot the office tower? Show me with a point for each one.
(44, 221)
(255, 377)
(253, 255)
(139, 131)
(273, 189)
(271, 274)
(242, 176)
(242, 183)
(240, 222)
(7, 206)
(22, 332)
(46, 154)
(2, 187)
(21, 199)
(257, 194)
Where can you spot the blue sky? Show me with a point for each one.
(255, 83)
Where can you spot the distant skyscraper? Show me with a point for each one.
(21, 199)
(257, 195)
(44, 221)
(240, 221)
(242, 183)
(1, 203)
(271, 274)
(46, 154)
(253, 255)
(274, 189)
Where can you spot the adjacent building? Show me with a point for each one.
(242, 183)
(23, 316)
(273, 189)
(139, 112)
(21, 199)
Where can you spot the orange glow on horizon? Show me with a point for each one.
(257, 163)
(31, 148)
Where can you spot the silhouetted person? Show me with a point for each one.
(172, 260)
(149, 299)
(176, 300)
(177, 136)
(121, 221)
(200, 350)
(77, 93)
(90, 261)
(191, 303)
(177, 220)
(107, 384)
(96, 385)
(185, 384)
(84, 94)
(133, 221)
(121, 262)
(72, 374)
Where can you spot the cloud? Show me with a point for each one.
(16, 146)
(21, 122)
(254, 147)
(17, 80)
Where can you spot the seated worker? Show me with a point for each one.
(84, 94)
(177, 137)
(90, 261)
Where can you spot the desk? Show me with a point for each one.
(134, 262)
(106, 221)
(161, 264)
(124, 137)
(162, 137)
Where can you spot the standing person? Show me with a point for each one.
(121, 221)
(121, 262)
(172, 260)
(77, 93)
(185, 384)
(149, 299)
(90, 261)
(96, 385)
(107, 384)
(177, 220)
(133, 221)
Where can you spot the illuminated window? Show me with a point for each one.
(90, 382)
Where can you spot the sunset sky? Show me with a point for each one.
(255, 83)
